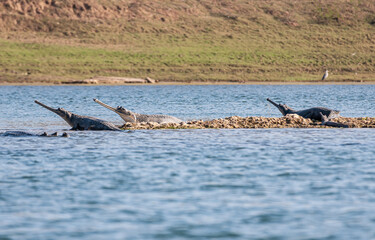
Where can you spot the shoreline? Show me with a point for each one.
(236, 122)
(167, 83)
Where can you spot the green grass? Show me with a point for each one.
(215, 48)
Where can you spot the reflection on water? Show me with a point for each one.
(186, 184)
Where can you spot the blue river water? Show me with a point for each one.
(186, 184)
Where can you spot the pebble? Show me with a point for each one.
(289, 121)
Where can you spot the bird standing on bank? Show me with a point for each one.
(325, 75)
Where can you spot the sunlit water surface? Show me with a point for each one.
(186, 184)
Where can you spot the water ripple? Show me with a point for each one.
(185, 184)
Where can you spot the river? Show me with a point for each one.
(186, 184)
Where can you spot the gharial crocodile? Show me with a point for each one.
(129, 116)
(28, 134)
(78, 122)
(312, 113)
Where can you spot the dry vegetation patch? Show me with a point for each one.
(190, 40)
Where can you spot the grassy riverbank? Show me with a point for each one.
(239, 41)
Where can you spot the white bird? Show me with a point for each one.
(325, 75)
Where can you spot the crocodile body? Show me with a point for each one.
(28, 134)
(129, 116)
(312, 113)
(78, 122)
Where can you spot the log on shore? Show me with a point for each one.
(111, 80)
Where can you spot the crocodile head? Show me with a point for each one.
(283, 108)
(65, 114)
(126, 115)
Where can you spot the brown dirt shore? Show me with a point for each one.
(197, 83)
(289, 121)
